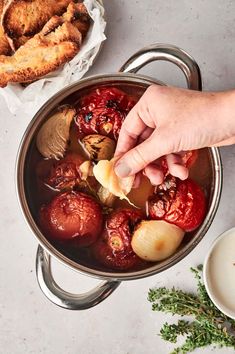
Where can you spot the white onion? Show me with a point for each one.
(155, 240)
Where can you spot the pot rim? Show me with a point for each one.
(19, 176)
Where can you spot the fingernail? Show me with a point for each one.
(122, 169)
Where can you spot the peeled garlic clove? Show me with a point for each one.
(106, 197)
(105, 175)
(86, 170)
(99, 147)
(156, 240)
(52, 139)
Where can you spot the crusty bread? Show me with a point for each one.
(27, 17)
(56, 44)
(18, 42)
(77, 13)
(4, 45)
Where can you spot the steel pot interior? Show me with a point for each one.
(207, 172)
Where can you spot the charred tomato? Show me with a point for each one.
(182, 203)
(65, 173)
(113, 248)
(72, 216)
(188, 160)
(103, 111)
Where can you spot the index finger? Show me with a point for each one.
(131, 129)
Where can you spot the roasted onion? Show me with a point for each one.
(156, 240)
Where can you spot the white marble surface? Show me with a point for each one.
(124, 323)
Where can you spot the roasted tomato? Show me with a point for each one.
(113, 249)
(188, 160)
(65, 174)
(72, 216)
(103, 111)
(179, 202)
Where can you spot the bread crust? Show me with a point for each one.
(4, 45)
(58, 42)
(77, 13)
(43, 53)
(26, 18)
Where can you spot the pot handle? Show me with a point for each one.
(63, 298)
(169, 53)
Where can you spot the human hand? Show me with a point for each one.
(168, 121)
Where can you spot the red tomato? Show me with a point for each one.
(179, 202)
(103, 111)
(113, 249)
(72, 216)
(65, 173)
(188, 160)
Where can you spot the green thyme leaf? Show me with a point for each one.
(208, 325)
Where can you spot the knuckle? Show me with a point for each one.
(127, 130)
(138, 158)
(153, 89)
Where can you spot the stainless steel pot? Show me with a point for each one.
(111, 280)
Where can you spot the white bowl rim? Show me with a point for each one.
(224, 309)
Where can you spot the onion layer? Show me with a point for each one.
(156, 240)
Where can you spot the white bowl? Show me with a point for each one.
(219, 273)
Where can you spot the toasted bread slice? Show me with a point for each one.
(56, 44)
(77, 13)
(5, 48)
(4, 45)
(27, 17)
(18, 42)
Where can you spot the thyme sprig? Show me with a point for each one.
(208, 325)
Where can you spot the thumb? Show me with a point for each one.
(142, 155)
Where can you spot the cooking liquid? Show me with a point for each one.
(221, 272)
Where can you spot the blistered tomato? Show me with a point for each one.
(182, 203)
(65, 173)
(103, 111)
(188, 160)
(113, 248)
(72, 216)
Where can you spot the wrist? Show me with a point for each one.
(226, 115)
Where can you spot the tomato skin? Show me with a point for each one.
(103, 112)
(113, 248)
(65, 173)
(188, 160)
(72, 216)
(182, 203)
